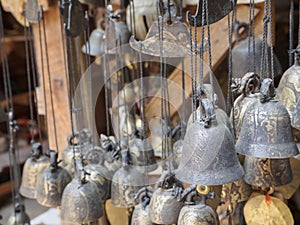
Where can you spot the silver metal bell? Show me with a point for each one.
(95, 46)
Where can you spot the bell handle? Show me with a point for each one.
(208, 112)
(267, 90)
(238, 26)
(71, 139)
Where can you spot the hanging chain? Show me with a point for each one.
(271, 40)
(291, 33)
(192, 72)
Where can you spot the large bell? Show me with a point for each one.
(81, 202)
(266, 173)
(142, 154)
(125, 183)
(266, 129)
(209, 156)
(51, 183)
(33, 166)
(217, 9)
(176, 40)
(95, 46)
(240, 55)
(141, 214)
(19, 217)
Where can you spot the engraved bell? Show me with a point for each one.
(196, 212)
(19, 217)
(95, 46)
(164, 207)
(33, 166)
(142, 154)
(140, 215)
(126, 182)
(209, 156)
(266, 129)
(51, 183)
(288, 93)
(265, 173)
(81, 202)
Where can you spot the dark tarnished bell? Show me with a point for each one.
(141, 214)
(197, 213)
(176, 40)
(81, 202)
(142, 154)
(209, 156)
(265, 173)
(33, 166)
(51, 183)
(19, 217)
(266, 129)
(125, 183)
(217, 9)
(95, 46)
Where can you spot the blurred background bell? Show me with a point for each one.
(19, 217)
(95, 46)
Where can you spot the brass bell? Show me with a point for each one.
(265, 173)
(19, 217)
(95, 46)
(99, 174)
(248, 88)
(126, 182)
(266, 128)
(33, 166)
(241, 56)
(142, 154)
(140, 215)
(176, 40)
(209, 156)
(51, 183)
(164, 207)
(197, 213)
(217, 9)
(81, 202)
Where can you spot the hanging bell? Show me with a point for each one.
(51, 183)
(81, 202)
(99, 174)
(19, 217)
(265, 173)
(95, 46)
(248, 88)
(197, 213)
(208, 160)
(140, 215)
(266, 129)
(288, 93)
(142, 154)
(125, 183)
(33, 166)
(164, 207)
(176, 40)
(217, 9)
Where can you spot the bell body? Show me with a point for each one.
(95, 46)
(125, 183)
(32, 168)
(141, 216)
(81, 203)
(266, 131)
(209, 156)
(164, 207)
(197, 214)
(265, 173)
(50, 186)
(142, 154)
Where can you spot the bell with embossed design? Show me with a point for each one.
(208, 156)
(266, 129)
(126, 182)
(33, 166)
(265, 173)
(51, 183)
(81, 202)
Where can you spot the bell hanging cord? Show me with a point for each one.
(291, 33)
(251, 38)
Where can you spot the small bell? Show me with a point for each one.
(19, 217)
(81, 202)
(33, 166)
(142, 154)
(209, 156)
(266, 129)
(265, 173)
(51, 183)
(125, 183)
(197, 213)
(140, 215)
(95, 46)
(164, 207)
